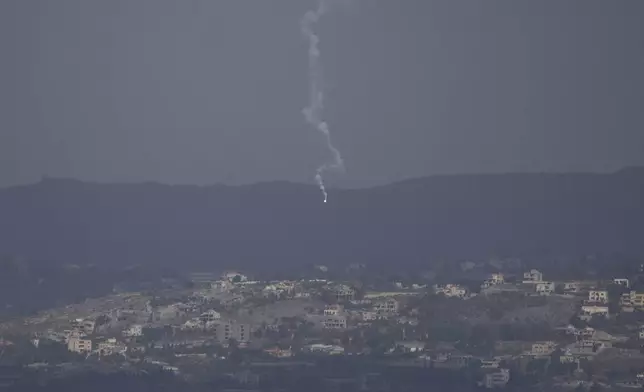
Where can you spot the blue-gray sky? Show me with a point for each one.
(207, 91)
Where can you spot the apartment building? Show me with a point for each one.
(209, 316)
(543, 348)
(83, 326)
(230, 330)
(545, 288)
(79, 345)
(333, 310)
(598, 296)
(335, 322)
(534, 276)
(344, 293)
(133, 331)
(493, 280)
(388, 307)
(110, 347)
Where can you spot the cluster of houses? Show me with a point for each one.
(213, 311)
(226, 294)
(335, 316)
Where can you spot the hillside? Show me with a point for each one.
(282, 224)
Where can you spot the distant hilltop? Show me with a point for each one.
(281, 224)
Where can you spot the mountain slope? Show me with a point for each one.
(283, 224)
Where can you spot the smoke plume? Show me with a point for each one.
(313, 112)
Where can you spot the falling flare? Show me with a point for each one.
(313, 112)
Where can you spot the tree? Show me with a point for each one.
(236, 279)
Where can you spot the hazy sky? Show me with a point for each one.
(206, 91)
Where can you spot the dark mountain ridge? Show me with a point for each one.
(280, 224)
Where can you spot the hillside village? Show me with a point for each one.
(512, 330)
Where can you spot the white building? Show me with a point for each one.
(497, 379)
(411, 346)
(534, 276)
(545, 288)
(79, 345)
(369, 316)
(209, 316)
(326, 349)
(588, 311)
(333, 310)
(598, 296)
(83, 326)
(451, 291)
(133, 331)
(335, 322)
(230, 330)
(493, 280)
(192, 324)
(388, 307)
(111, 347)
(279, 288)
(543, 348)
(622, 282)
(344, 293)
(571, 287)
(633, 299)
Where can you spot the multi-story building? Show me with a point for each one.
(111, 347)
(388, 307)
(493, 280)
(79, 345)
(637, 299)
(344, 293)
(83, 326)
(133, 331)
(335, 322)
(369, 316)
(333, 310)
(543, 348)
(631, 301)
(230, 330)
(545, 288)
(571, 287)
(209, 316)
(534, 276)
(598, 296)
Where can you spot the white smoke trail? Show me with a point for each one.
(313, 112)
